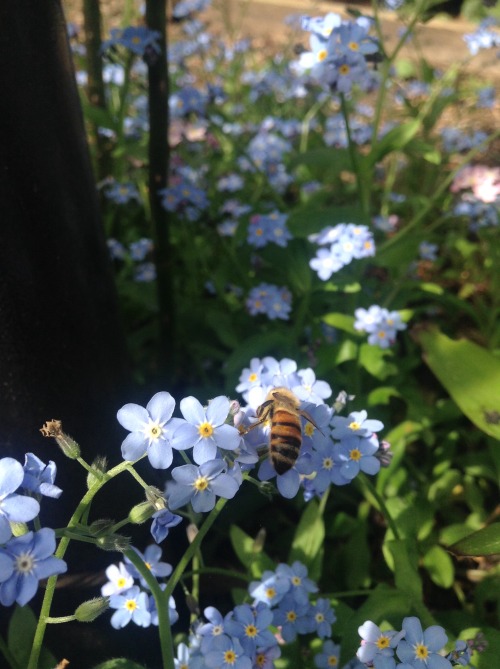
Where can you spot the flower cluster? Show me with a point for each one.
(139, 40)
(185, 198)
(345, 242)
(28, 558)
(334, 450)
(247, 636)
(380, 324)
(273, 301)
(264, 229)
(339, 53)
(134, 602)
(413, 646)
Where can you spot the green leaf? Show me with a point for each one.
(395, 140)
(373, 359)
(20, 634)
(308, 541)
(439, 566)
(382, 395)
(341, 322)
(308, 220)
(250, 552)
(470, 374)
(324, 164)
(406, 573)
(478, 544)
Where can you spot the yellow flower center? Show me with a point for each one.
(200, 484)
(131, 604)
(421, 651)
(205, 430)
(327, 463)
(319, 617)
(251, 631)
(354, 426)
(309, 430)
(121, 582)
(259, 232)
(291, 616)
(383, 642)
(332, 660)
(344, 70)
(296, 580)
(381, 334)
(230, 657)
(253, 377)
(136, 40)
(216, 630)
(353, 46)
(270, 593)
(321, 55)
(148, 565)
(260, 660)
(355, 454)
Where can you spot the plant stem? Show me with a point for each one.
(372, 495)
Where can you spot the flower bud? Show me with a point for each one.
(98, 467)
(140, 513)
(18, 529)
(99, 527)
(53, 428)
(156, 498)
(92, 609)
(113, 542)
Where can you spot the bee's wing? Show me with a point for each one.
(308, 417)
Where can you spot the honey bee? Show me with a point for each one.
(282, 408)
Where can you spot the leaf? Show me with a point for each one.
(250, 552)
(478, 544)
(20, 634)
(373, 359)
(341, 322)
(308, 540)
(406, 574)
(439, 566)
(395, 140)
(470, 374)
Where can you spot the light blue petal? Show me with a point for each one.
(369, 464)
(413, 628)
(132, 417)
(28, 587)
(120, 618)
(185, 436)
(6, 567)
(192, 410)
(49, 567)
(11, 476)
(20, 509)
(161, 407)
(212, 468)
(8, 591)
(350, 469)
(435, 638)
(225, 486)
(205, 450)
(185, 474)
(288, 483)
(179, 495)
(369, 632)
(203, 501)
(160, 454)
(5, 531)
(217, 410)
(44, 543)
(134, 446)
(435, 661)
(227, 437)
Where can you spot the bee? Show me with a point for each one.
(282, 408)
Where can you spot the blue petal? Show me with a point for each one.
(217, 410)
(160, 454)
(8, 590)
(413, 628)
(161, 407)
(185, 474)
(227, 437)
(6, 567)
(225, 486)
(5, 530)
(435, 638)
(134, 446)
(205, 450)
(44, 543)
(212, 468)
(132, 417)
(192, 410)
(185, 436)
(28, 587)
(288, 484)
(20, 509)
(49, 567)
(369, 465)
(203, 501)
(11, 476)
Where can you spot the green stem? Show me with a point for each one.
(306, 123)
(60, 619)
(363, 192)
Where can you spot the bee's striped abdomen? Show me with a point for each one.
(285, 440)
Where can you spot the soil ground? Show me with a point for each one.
(440, 40)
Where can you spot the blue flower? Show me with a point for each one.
(271, 300)
(149, 432)
(13, 508)
(136, 39)
(151, 559)
(163, 520)
(120, 580)
(328, 467)
(300, 584)
(356, 423)
(24, 561)
(358, 454)
(322, 617)
(132, 605)
(376, 643)
(250, 625)
(212, 629)
(184, 8)
(205, 429)
(428, 251)
(271, 588)
(461, 654)
(420, 648)
(292, 617)
(310, 389)
(265, 657)
(200, 485)
(140, 249)
(145, 272)
(288, 483)
(173, 616)
(329, 658)
(122, 193)
(227, 653)
(39, 478)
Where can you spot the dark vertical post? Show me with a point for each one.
(156, 19)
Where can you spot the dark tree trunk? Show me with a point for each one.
(62, 352)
